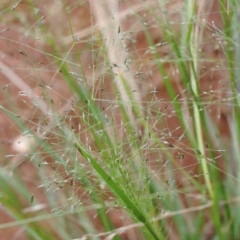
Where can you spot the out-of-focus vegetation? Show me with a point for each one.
(119, 119)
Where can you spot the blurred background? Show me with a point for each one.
(148, 68)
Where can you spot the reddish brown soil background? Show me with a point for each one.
(26, 57)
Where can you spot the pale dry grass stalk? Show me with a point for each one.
(107, 17)
(23, 144)
(17, 81)
(86, 32)
(111, 234)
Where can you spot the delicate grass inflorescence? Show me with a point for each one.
(119, 120)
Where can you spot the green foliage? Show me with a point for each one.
(121, 128)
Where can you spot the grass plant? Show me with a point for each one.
(119, 120)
